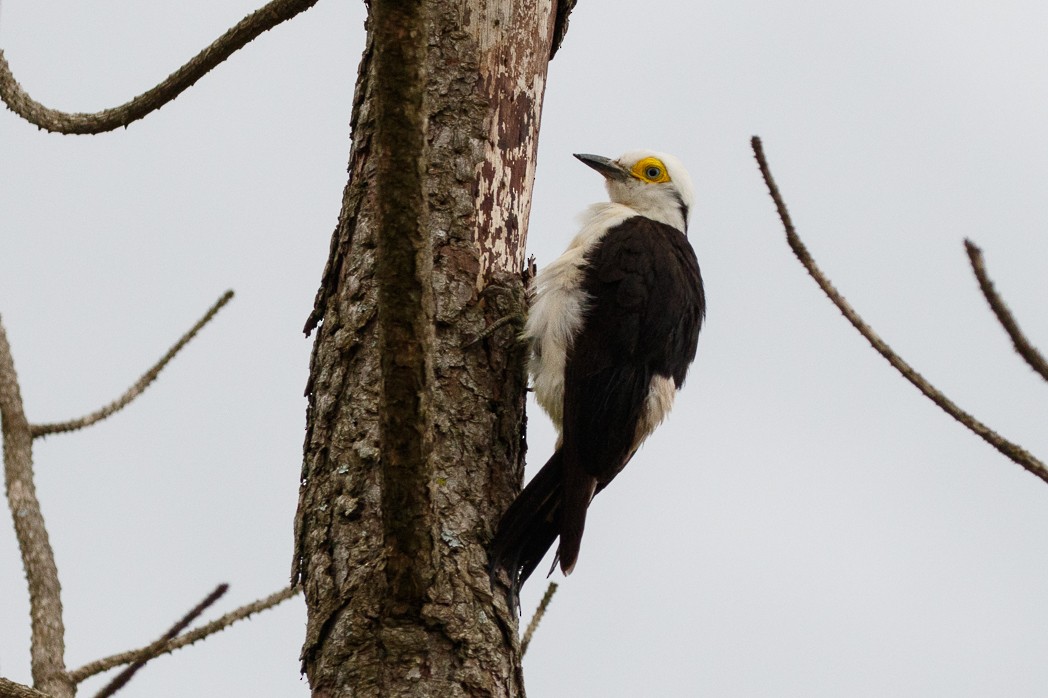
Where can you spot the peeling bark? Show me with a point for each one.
(415, 441)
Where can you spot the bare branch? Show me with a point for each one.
(535, 619)
(1013, 451)
(1004, 316)
(121, 679)
(139, 387)
(234, 39)
(149, 651)
(47, 648)
(10, 689)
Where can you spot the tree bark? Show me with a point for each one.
(415, 437)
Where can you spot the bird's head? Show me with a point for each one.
(655, 185)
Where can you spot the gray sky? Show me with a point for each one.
(805, 524)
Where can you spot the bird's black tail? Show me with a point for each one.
(529, 526)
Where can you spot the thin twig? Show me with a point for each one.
(242, 33)
(139, 387)
(121, 679)
(47, 645)
(149, 651)
(1013, 451)
(1004, 316)
(10, 689)
(535, 619)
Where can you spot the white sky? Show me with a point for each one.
(805, 524)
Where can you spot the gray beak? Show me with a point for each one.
(606, 166)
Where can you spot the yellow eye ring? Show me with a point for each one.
(650, 170)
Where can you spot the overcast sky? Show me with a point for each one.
(805, 524)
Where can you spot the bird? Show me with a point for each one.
(612, 330)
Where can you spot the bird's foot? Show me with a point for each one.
(509, 299)
(515, 319)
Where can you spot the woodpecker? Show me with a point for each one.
(612, 330)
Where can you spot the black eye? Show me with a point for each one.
(653, 172)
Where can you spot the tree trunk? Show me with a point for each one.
(415, 437)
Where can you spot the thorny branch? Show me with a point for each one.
(537, 618)
(10, 689)
(121, 679)
(140, 385)
(242, 33)
(155, 650)
(47, 644)
(1013, 451)
(48, 633)
(1004, 316)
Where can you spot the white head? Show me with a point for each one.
(655, 185)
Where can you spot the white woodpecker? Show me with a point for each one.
(613, 329)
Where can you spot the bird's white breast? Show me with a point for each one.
(559, 307)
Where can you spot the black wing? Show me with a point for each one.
(644, 316)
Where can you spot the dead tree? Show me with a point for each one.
(415, 426)
(414, 440)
